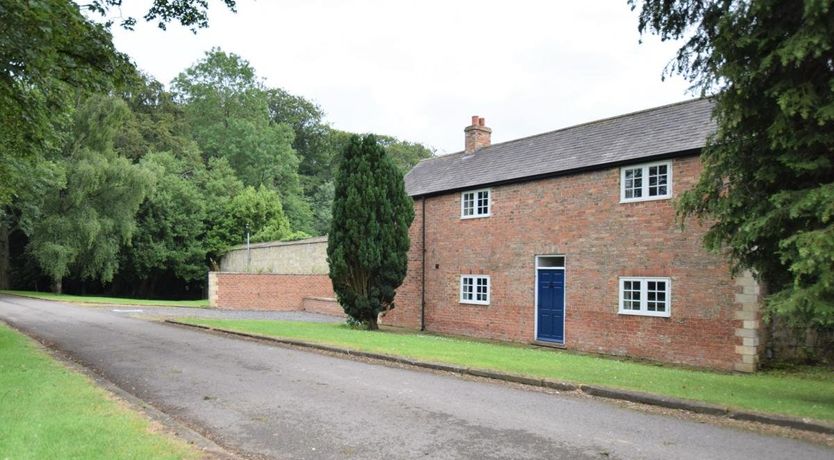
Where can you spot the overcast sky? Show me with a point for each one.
(420, 70)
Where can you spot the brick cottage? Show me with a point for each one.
(569, 239)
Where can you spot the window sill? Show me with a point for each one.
(640, 200)
(475, 217)
(645, 313)
(473, 302)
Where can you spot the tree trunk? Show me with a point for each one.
(372, 324)
(4, 255)
(57, 286)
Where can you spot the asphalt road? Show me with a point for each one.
(284, 403)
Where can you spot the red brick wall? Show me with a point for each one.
(579, 216)
(251, 291)
(406, 312)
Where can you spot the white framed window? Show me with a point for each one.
(650, 181)
(645, 296)
(475, 203)
(474, 289)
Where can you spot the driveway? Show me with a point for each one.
(284, 403)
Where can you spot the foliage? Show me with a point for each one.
(804, 393)
(768, 179)
(82, 221)
(72, 149)
(227, 108)
(158, 123)
(170, 222)
(405, 154)
(256, 211)
(48, 52)
(368, 243)
(189, 13)
(311, 140)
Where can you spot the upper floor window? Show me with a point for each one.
(651, 181)
(645, 296)
(474, 204)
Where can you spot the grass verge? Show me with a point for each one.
(109, 300)
(49, 411)
(804, 392)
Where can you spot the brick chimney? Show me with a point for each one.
(477, 135)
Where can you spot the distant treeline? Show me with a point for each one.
(139, 188)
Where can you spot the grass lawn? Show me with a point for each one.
(109, 300)
(807, 393)
(49, 411)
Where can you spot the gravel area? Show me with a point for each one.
(184, 312)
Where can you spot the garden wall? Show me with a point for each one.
(266, 291)
(277, 276)
(302, 257)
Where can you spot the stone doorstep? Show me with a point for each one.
(592, 390)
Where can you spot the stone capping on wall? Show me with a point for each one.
(748, 317)
(270, 244)
(308, 256)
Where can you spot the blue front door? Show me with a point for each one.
(551, 307)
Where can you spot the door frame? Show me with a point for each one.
(536, 269)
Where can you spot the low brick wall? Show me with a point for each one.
(323, 305)
(251, 291)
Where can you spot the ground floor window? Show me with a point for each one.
(645, 296)
(474, 289)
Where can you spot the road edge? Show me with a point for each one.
(174, 427)
(804, 424)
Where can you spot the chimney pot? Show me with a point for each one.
(477, 135)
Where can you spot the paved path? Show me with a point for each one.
(285, 403)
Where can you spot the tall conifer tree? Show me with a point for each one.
(368, 244)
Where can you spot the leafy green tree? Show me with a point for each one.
(170, 226)
(321, 201)
(367, 248)
(48, 52)
(189, 13)
(158, 123)
(81, 222)
(768, 181)
(405, 154)
(311, 141)
(256, 210)
(226, 105)
(219, 185)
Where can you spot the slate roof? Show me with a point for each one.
(662, 131)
